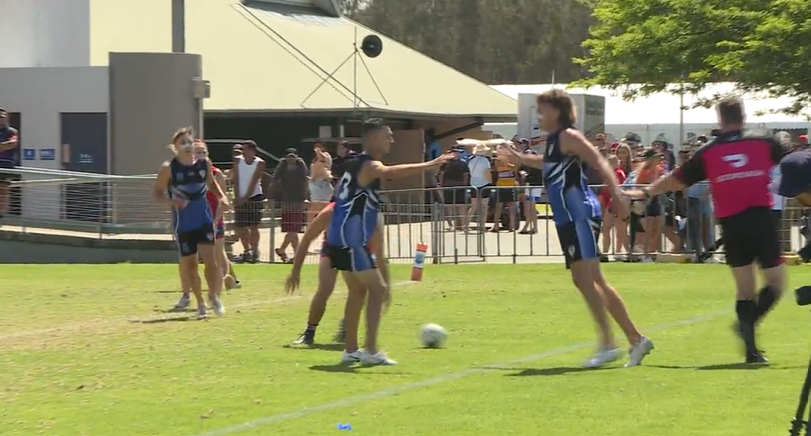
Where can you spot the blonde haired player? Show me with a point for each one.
(327, 277)
(183, 183)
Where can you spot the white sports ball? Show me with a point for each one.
(433, 336)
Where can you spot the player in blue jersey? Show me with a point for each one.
(354, 219)
(183, 183)
(576, 212)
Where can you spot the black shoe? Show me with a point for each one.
(756, 358)
(604, 258)
(748, 338)
(307, 338)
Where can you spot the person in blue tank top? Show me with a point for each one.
(183, 183)
(576, 212)
(354, 219)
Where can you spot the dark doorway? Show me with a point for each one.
(15, 193)
(84, 149)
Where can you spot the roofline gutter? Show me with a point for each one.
(358, 113)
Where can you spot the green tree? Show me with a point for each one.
(761, 45)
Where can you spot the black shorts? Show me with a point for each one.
(483, 192)
(578, 240)
(350, 258)
(249, 213)
(187, 242)
(506, 195)
(456, 195)
(636, 224)
(751, 236)
(654, 208)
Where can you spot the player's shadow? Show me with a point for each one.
(322, 347)
(164, 320)
(350, 369)
(173, 310)
(738, 366)
(166, 292)
(559, 370)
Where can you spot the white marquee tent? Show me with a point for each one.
(658, 114)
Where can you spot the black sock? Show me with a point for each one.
(747, 311)
(765, 301)
(311, 328)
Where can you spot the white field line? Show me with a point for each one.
(111, 321)
(389, 392)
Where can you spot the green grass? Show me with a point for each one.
(72, 363)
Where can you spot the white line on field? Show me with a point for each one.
(349, 401)
(104, 322)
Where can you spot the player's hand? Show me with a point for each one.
(635, 194)
(292, 282)
(621, 207)
(387, 299)
(447, 157)
(225, 204)
(510, 154)
(179, 203)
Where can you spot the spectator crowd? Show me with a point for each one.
(480, 191)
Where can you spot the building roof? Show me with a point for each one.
(269, 56)
(663, 107)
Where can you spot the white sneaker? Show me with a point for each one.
(217, 307)
(238, 285)
(602, 357)
(639, 351)
(183, 303)
(376, 359)
(619, 258)
(351, 358)
(201, 312)
(646, 259)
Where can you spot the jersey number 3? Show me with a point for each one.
(343, 187)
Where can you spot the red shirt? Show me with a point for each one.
(737, 165)
(605, 195)
(213, 201)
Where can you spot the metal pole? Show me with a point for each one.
(178, 26)
(681, 116)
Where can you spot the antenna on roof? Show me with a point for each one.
(371, 46)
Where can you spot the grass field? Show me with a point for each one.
(74, 361)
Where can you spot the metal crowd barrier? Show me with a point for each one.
(459, 224)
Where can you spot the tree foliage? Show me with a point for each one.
(495, 41)
(764, 46)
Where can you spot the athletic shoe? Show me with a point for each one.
(183, 303)
(348, 358)
(756, 358)
(646, 259)
(201, 312)
(602, 357)
(380, 358)
(237, 284)
(307, 338)
(218, 307)
(340, 335)
(639, 351)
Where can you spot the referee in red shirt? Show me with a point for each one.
(737, 164)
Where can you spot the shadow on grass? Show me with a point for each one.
(351, 369)
(727, 367)
(322, 347)
(559, 370)
(183, 318)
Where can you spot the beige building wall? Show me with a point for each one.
(151, 96)
(40, 95)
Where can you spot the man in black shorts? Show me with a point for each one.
(454, 177)
(737, 164)
(8, 158)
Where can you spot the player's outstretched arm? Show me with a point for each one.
(377, 170)
(315, 228)
(378, 242)
(575, 143)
